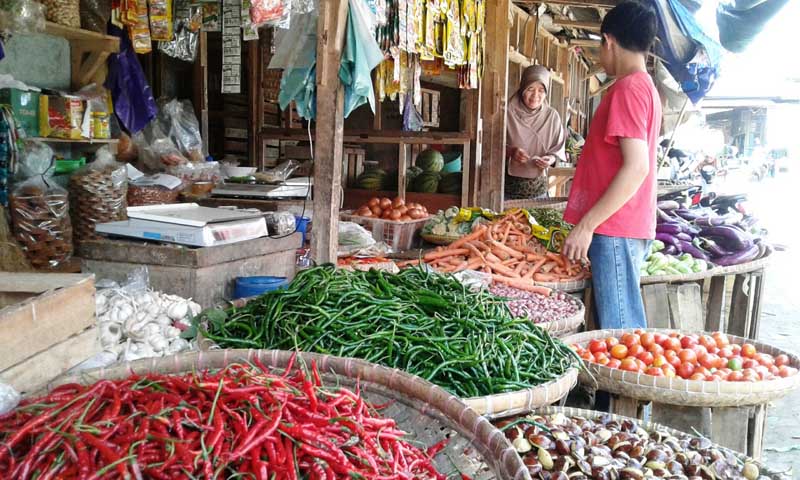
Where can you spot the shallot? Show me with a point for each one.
(535, 306)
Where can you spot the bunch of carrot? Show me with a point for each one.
(506, 249)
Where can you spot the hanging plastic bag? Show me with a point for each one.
(267, 12)
(133, 99)
(412, 120)
(361, 55)
(21, 16)
(184, 129)
(279, 174)
(98, 194)
(40, 211)
(183, 45)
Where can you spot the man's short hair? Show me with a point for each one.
(632, 24)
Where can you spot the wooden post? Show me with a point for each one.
(329, 130)
(200, 84)
(494, 96)
(255, 93)
(715, 318)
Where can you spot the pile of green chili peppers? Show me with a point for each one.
(424, 323)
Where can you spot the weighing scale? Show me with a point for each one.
(189, 224)
(292, 188)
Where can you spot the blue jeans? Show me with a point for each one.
(615, 280)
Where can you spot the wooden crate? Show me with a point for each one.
(36, 371)
(205, 275)
(40, 310)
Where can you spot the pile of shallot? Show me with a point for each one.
(143, 324)
(535, 306)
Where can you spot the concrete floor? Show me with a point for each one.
(773, 201)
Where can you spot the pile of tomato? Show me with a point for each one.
(691, 357)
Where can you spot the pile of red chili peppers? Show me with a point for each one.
(238, 422)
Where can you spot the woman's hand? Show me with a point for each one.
(544, 162)
(519, 155)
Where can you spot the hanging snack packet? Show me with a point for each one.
(161, 20)
(264, 12)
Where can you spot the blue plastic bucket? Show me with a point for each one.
(253, 286)
(301, 225)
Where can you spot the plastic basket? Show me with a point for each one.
(398, 235)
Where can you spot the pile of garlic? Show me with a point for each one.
(143, 324)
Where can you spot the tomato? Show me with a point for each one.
(648, 340)
(749, 375)
(659, 338)
(672, 358)
(687, 356)
(713, 378)
(611, 341)
(601, 358)
(749, 363)
(714, 350)
(763, 372)
(702, 370)
(708, 342)
(709, 360)
(659, 360)
(786, 371)
(638, 331)
(669, 370)
(672, 344)
(598, 345)
(689, 341)
(782, 360)
(629, 365)
(656, 349)
(697, 376)
(700, 352)
(737, 349)
(724, 372)
(735, 364)
(685, 370)
(646, 357)
(735, 377)
(721, 339)
(773, 370)
(764, 359)
(654, 371)
(675, 335)
(619, 351)
(613, 363)
(635, 350)
(630, 339)
(726, 352)
(587, 355)
(748, 350)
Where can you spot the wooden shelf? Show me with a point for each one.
(89, 51)
(355, 197)
(372, 136)
(98, 141)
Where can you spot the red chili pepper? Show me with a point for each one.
(434, 449)
(106, 451)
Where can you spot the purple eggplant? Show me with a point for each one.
(667, 239)
(688, 247)
(729, 237)
(687, 214)
(713, 248)
(709, 221)
(670, 250)
(669, 228)
(668, 205)
(739, 257)
(661, 216)
(683, 236)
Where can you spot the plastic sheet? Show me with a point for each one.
(40, 211)
(280, 173)
(361, 55)
(9, 398)
(21, 16)
(280, 223)
(98, 194)
(95, 15)
(133, 98)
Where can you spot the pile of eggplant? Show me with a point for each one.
(722, 240)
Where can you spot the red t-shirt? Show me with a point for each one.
(630, 109)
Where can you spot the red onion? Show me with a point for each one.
(538, 308)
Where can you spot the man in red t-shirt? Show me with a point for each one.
(613, 198)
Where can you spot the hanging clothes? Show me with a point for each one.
(134, 103)
(361, 54)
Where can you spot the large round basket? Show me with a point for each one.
(475, 448)
(746, 267)
(568, 286)
(677, 391)
(524, 401)
(713, 272)
(566, 327)
(439, 239)
(652, 427)
(556, 203)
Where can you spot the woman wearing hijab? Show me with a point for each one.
(535, 136)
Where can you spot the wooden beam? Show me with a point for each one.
(594, 70)
(518, 59)
(602, 88)
(594, 26)
(584, 42)
(494, 96)
(329, 132)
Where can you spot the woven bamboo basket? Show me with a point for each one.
(686, 277)
(524, 401)
(439, 239)
(570, 286)
(556, 203)
(96, 196)
(677, 391)
(566, 327)
(746, 267)
(653, 427)
(475, 448)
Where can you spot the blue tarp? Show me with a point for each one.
(691, 56)
(741, 21)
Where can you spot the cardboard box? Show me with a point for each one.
(60, 117)
(25, 107)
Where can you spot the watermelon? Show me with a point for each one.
(450, 184)
(430, 160)
(372, 179)
(411, 174)
(426, 182)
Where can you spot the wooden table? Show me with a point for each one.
(559, 179)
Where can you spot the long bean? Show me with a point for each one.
(425, 323)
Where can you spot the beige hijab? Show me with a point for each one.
(538, 132)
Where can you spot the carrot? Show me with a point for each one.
(505, 232)
(501, 254)
(472, 248)
(476, 234)
(522, 285)
(544, 277)
(492, 258)
(547, 267)
(535, 268)
(519, 268)
(502, 269)
(451, 252)
(474, 263)
(508, 250)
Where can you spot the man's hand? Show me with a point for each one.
(519, 155)
(576, 246)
